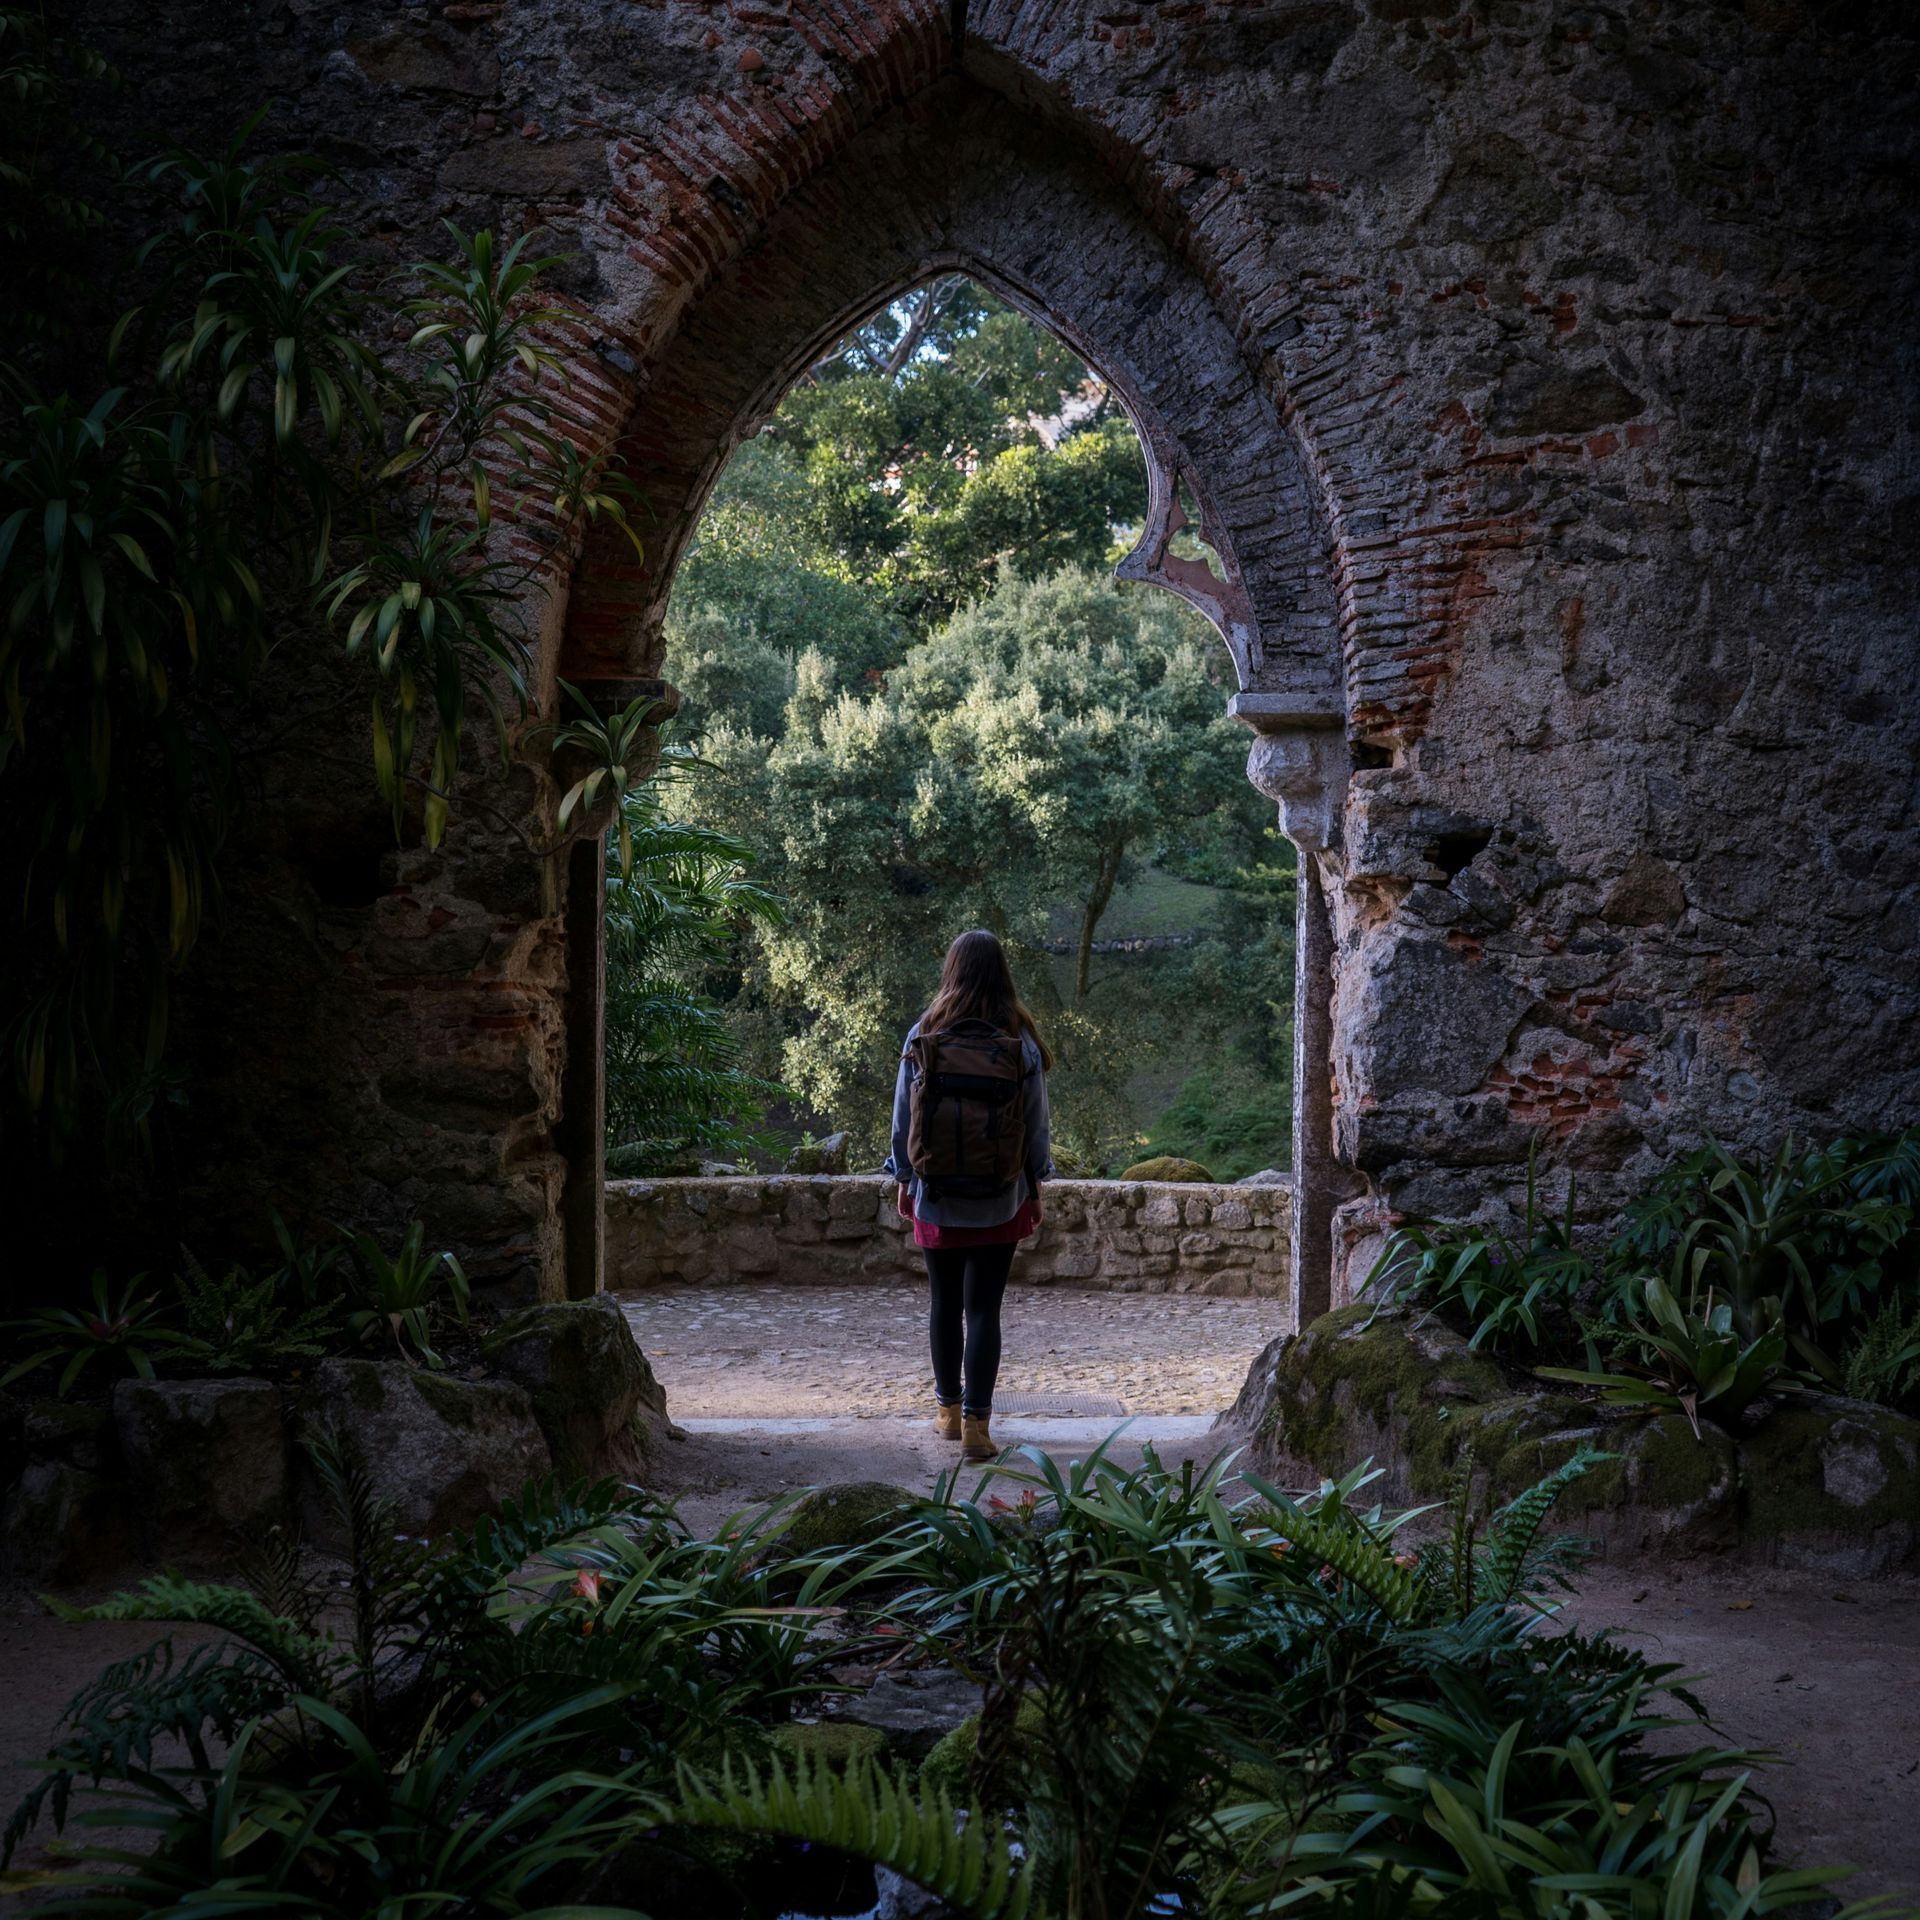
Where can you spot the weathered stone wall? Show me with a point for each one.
(1119, 1236)
(1539, 370)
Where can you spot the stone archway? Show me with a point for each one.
(1589, 693)
(960, 179)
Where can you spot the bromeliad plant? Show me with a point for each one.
(407, 1293)
(125, 1332)
(1727, 1279)
(1687, 1348)
(271, 1322)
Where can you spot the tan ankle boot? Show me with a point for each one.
(946, 1420)
(975, 1442)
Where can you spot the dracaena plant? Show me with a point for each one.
(192, 486)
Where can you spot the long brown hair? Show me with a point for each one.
(977, 984)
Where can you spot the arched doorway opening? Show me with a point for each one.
(960, 179)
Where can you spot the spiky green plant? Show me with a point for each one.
(958, 1855)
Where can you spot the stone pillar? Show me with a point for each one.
(582, 1133)
(1299, 760)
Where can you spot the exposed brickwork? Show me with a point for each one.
(1536, 364)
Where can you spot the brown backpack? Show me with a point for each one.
(967, 1110)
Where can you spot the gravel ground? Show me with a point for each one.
(766, 1352)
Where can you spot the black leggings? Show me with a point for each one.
(967, 1283)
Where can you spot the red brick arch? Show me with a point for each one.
(961, 178)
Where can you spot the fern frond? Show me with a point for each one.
(873, 1815)
(118, 1716)
(1511, 1540)
(1355, 1555)
(306, 1661)
(1460, 1502)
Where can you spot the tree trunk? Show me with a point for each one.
(1103, 879)
(918, 321)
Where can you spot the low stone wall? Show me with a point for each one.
(1120, 1236)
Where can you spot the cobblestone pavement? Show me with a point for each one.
(765, 1352)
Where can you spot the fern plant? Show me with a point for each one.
(958, 1856)
(1883, 1364)
(243, 1322)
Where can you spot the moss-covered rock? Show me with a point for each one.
(852, 1514)
(821, 1156)
(834, 1742)
(1834, 1485)
(443, 1449)
(911, 1709)
(1360, 1384)
(1411, 1395)
(949, 1767)
(593, 1393)
(1167, 1166)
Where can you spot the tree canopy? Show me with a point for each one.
(928, 705)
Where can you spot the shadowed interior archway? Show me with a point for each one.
(961, 179)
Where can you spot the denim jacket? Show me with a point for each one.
(978, 1210)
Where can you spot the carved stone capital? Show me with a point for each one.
(1304, 770)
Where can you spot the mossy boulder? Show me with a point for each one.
(206, 1462)
(911, 1709)
(853, 1514)
(1411, 1395)
(821, 1156)
(1833, 1485)
(1360, 1384)
(1167, 1166)
(949, 1767)
(598, 1404)
(443, 1449)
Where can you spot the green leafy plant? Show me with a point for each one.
(481, 1817)
(405, 1293)
(1883, 1364)
(1686, 1348)
(675, 1087)
(1515, 1295)
(1202, 1693)
(124, 1333)
(614, 743)
(179, 498)
(1442, 1818)
(960, 1857)
(243, 1322)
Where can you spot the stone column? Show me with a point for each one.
(581, 1135)
(1299, 760)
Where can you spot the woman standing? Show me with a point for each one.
(970, 1149)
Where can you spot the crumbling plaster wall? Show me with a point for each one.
(1544, 369)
